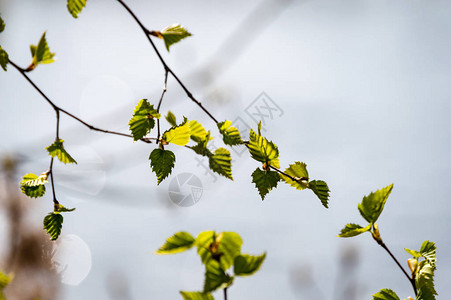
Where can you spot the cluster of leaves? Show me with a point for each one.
(4, 281)
(423, 262)
(219, 252)
(34, 186)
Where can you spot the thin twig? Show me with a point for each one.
(225, 293)
(165, 86)
(163, 62)
(411, 279)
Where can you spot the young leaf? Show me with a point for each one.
(351, 230)
(297, 170)
(75, 7)
(224, 247)
(170, 117)
(372, 205)
(385, 294)
(173, 34)
(178, 135)
(265, 181)
(230, 135)
(201, 147)
(321, 190)
(179, 242)
(263, 150)
(196, 296)
(62, 208)
(57, 149)
(428, 251)
(2, 24)
(162, 162)
(143, 119)
(215, 277)
(41, 53)
(425, 277)
(53, 223)
(33, 185)
(198, 133)
(4, 59)
(245, 265)
(221, 163)
(425, 293)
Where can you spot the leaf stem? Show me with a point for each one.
(225, 293)
(148, 34)
(411, 279)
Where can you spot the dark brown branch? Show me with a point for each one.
(163, 62)
(59, 109)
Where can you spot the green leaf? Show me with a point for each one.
(178, 135)
(41, 53)
(75, 7)
(414, 253)
(385, 294)
(215, 277)
(53, 223)
(33, 185)
(2, 24)
(162, 163)
(230, 135)
(4, 281)
(428, 251)
(321, 190)
(298, 170)
(263, 150)
(351, 230)
(143, 119)
(201, 147)
(245, 265)
(177, 243)
(196, 296)
(221, 163)
(4, 59)
(265, 181)
(425, 277)
(372, 205)
(170, 117)
(62, 208)
(173, 34)
(198, 133)
(224, 246)
(425, 293)
(57, 149)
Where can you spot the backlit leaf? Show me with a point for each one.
(224, 246)
(41, 53)
(2, 24)
(196, 296)
(57, 149)
(178, 135)
(230, 135)
(143, 119)
(263, 150)
(385, 294)
(162, 163)
(215, 277)
(351, 230)
(221, 163)
(173, 34)
(245, 265)
(198, 133)
(297, 170)
(265, 181)
(75, 7)
(170, 117)
(33, 185)
(179, 242)
(372, 205)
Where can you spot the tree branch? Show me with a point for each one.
(163, 62)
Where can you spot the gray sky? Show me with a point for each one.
(363, 86)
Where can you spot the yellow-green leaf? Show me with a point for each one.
(298, 170)
(173, 34)
(41, 53)
(57, 149)
(142, 120)
(245, 265)
(372, 205)
(230, 135)
(221, 162)
(75, 7)
(351, 230)
(178, 135)
(177, 243)
(4, 59)
(263, 150)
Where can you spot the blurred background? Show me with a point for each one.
(359, 90)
